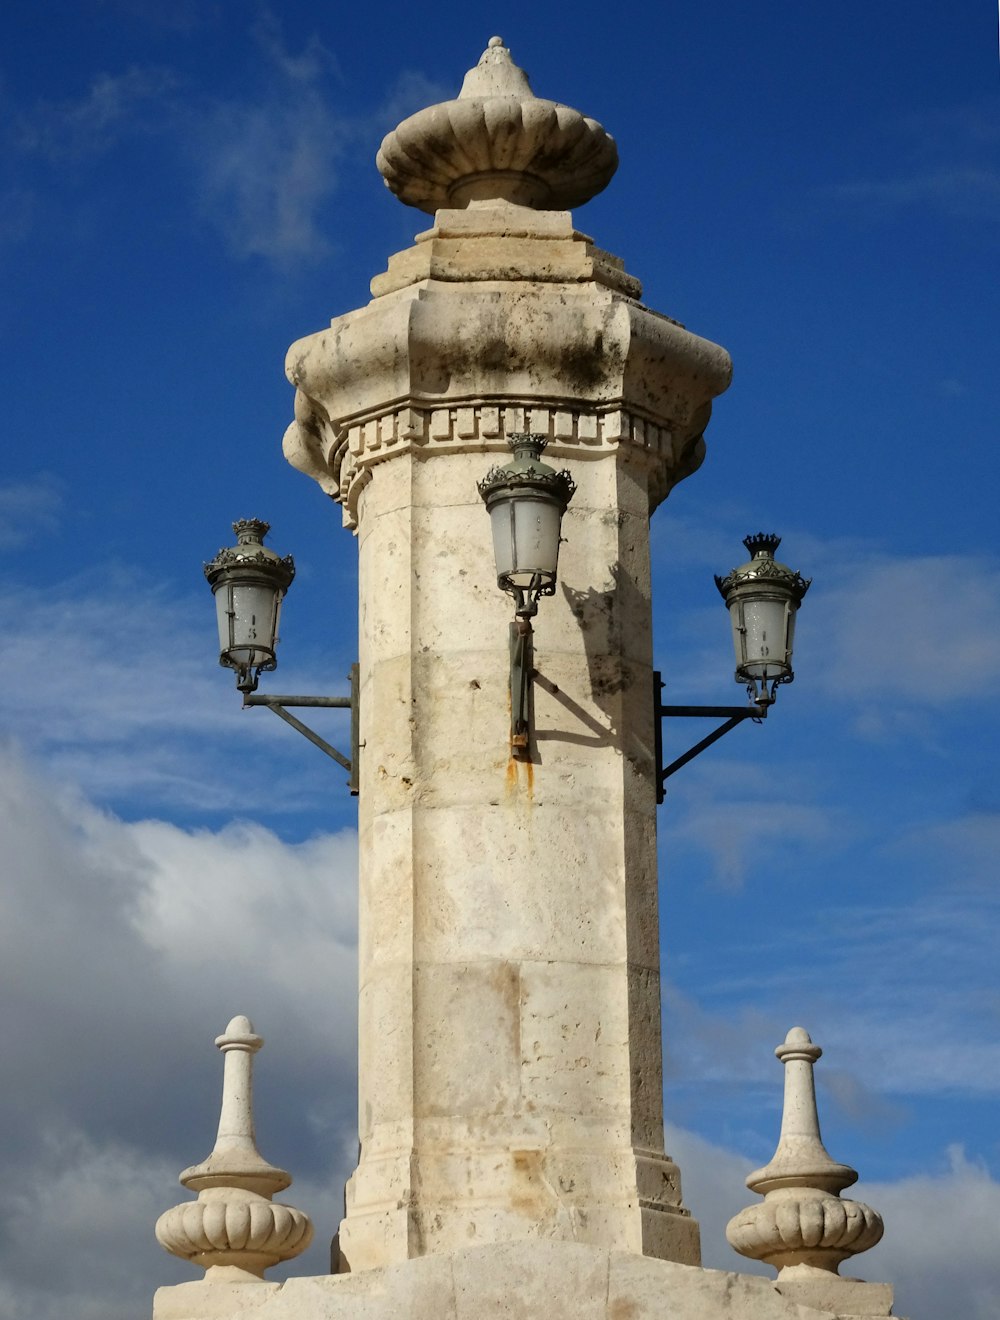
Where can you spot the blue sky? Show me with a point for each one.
(185, 190)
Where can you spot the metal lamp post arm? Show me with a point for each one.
(278, 702)
(732, 715)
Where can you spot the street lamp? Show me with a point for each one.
(762, 597)
(526, 501)
(249, 581)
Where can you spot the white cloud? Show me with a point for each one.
(267, 166)
(124, 950)
(98, 1201)
(940, 1244)
(262, 164)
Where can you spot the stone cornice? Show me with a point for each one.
(523, 324)
(341, 459)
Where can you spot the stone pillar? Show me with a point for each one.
(510, 1060)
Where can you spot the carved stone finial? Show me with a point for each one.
(803, 1227)
(497, 141)
(234, 1229)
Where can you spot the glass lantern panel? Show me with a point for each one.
(536, 541)
(251, 624)
(763, 642)
(502, 523)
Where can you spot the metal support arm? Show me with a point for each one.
(522, 672)
(277, 703)
(732, 715)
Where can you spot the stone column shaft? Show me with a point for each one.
(510, 1024)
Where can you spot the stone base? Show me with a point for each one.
(528, 1279)
(548, 1193)
(844, 1297)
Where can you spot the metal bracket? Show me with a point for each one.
(732, 715)
(522, 661)
(277, 703)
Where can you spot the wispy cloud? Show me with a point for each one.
(266, 165)
(261, 165)
(28, 508)
(264, 172)
(960, 193)
(731, 830)
(896, 989)
(909, 628)
(118, 689)
(947, 167)
(114, 105)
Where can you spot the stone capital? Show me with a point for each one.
(496, 315)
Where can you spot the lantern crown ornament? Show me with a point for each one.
(249, 581)
(526, 500)
(763, 597)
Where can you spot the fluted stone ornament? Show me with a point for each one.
(497, 141)
(803, 1227)
(234, 1230)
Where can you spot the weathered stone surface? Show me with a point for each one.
(830, 1292)
(510, 1032)
(508, 1281)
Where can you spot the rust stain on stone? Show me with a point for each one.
(514, 777)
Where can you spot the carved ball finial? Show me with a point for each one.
(803, 1227)
(234, 1229)
(497, 142)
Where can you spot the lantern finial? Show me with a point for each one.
(762, 543)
